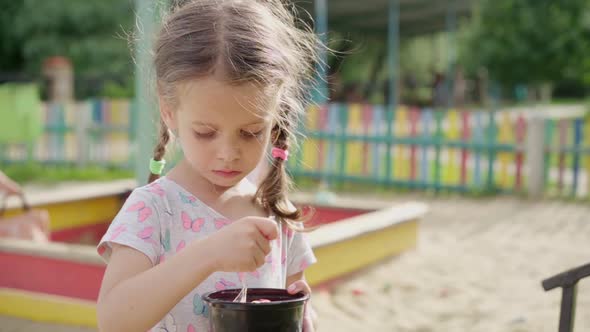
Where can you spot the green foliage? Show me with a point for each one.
(530, 41)
(40, 173)
(93, 34)
(10, 53)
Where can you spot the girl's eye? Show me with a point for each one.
(249, 134)
(209, 134)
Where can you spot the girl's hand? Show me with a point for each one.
(309, 315)
(243, 245)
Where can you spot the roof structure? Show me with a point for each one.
(416, 17)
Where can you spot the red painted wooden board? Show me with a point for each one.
(81, 235)
(78, 280)
(93, 233)
(326, 215)
(50, 276)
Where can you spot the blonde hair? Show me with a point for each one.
(255, 41)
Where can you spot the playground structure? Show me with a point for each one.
(568, 282)
(59, 281)
(493, 150)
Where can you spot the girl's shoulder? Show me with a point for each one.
(159, 195)
(153, 191)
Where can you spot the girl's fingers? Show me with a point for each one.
(299, 286)
(308, 316)
(263, 244)
(259, 257)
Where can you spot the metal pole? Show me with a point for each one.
(145, 114)
(321, 94)
(567, 313)
(451, 24)
(392, 65)
(321, 29)
(535, 152)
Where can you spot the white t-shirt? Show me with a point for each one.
(161, 218)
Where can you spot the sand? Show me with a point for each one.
(478, 267)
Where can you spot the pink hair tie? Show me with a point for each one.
(280, 153)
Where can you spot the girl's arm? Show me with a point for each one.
(134, 296)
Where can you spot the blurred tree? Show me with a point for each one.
(11, 58)
(532, 42)
(93, 34)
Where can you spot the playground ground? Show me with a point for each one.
(478, 267)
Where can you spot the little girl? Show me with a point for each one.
(230, 80)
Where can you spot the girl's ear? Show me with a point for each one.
(167, 113)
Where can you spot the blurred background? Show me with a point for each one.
(437, 94)
(479, 108)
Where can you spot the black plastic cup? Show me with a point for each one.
(283, 314)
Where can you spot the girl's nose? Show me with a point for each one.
(228, 151)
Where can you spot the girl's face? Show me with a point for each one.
(223, 129)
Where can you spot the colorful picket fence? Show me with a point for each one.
(463, 151)
(567, 159)
(88, 132)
